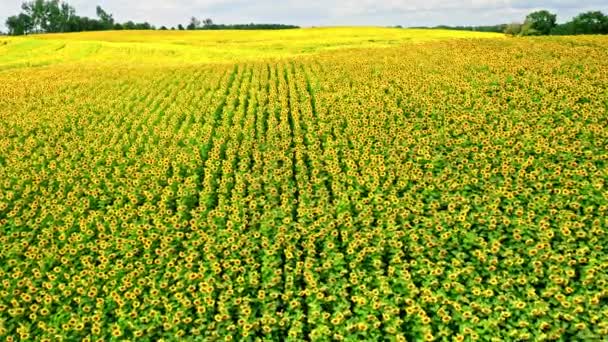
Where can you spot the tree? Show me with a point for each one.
(67, 13)
(180, 27)
(593, 22)
(144, 26)
(528, 30)
(208, 22)
(43, 16)
(19, 24)
(107, 21)
(194, 24)
(163, 28)
(56, 16)
(36, 11)
(48, 16)
(129, 25)
(539, 22)
(563, 29)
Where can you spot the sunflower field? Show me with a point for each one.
(439, 190)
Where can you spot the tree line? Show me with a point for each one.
(53, 16)
(489, 28)
(543, 23)
(208, 24)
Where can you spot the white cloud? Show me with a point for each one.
(326, 12)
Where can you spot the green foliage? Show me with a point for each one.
(539, 23)
(19, 24)
(490, 28)
(513, 29)
(564, 29)
(52, 16)
(544, 23)
(106, 20)
(207, 24)
(527, 29)
(194, 24)
(593, 22)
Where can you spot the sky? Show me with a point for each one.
(325, 12)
